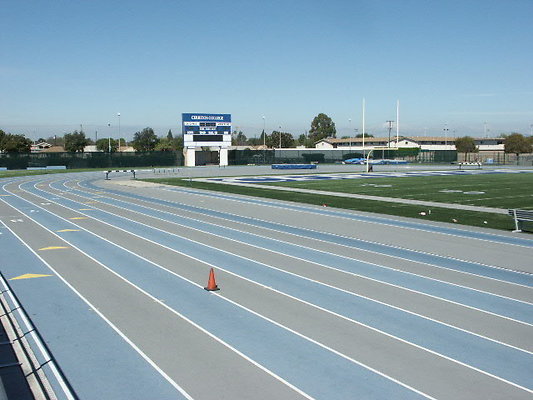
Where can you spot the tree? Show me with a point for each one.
(516, 143)
(466, 144)
(103, 145)
(238, 139)
(263, 137)
(254, 141)
(56, 140)
(322, 127)
(14, 143)
(75, 141)
(145, 140)
(286, 139)
(169, 134)
(166, 144)
(360, 135)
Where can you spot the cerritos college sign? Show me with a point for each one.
(206, 130)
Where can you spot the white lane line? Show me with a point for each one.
(263, 368)
(104, 318)
(320, 283)
(346, 272)
(30, 328)
(232, 302)
(327, 253)
(356, 239)
(356, 217)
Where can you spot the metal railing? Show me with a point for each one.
(21, 331)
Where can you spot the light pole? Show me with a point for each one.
(356, 131)
(446, 130)
(390, 128)
(118, 115)
(109, 138)
(280, 136)
(264, 132)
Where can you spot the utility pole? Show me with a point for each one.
(390, 128)
(397, 122)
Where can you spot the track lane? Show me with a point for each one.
(229, 330)
(344, 347)
(508, 307)
(283, 224)
(130, 227)
(73, 327)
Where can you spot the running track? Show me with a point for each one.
(314, 303)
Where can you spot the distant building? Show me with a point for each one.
(38, 147)
(54, 149)
(421, 142)
(91, 149)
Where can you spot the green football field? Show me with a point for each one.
(510, 190)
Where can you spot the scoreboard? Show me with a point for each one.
(206, 130)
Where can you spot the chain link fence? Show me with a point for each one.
(250, 157)
(90, 160)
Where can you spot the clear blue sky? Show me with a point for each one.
(462, 63)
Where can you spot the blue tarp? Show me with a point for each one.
(293, 166)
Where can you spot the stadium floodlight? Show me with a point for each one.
(109, 138)
(118, 115)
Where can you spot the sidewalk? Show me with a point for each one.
(376, 198)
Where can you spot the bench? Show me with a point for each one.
(519, 217)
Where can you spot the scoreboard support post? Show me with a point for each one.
(190, 157)
(223, 156)
(206, 130)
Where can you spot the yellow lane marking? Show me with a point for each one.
(29, 276)
(54, 248)
(4, 195)
(69, 230)
(79, 218)
(85, 209)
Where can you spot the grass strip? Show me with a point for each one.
(463, 217)
(509, 190)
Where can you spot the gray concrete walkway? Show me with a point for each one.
(376, 198)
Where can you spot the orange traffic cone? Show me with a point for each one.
(211, 284)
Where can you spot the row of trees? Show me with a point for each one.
(10, 143)
(322, 127)
(515, 143)
(145, 140)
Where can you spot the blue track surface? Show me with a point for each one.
(79, 339)
(313, 368)
(486, 355)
